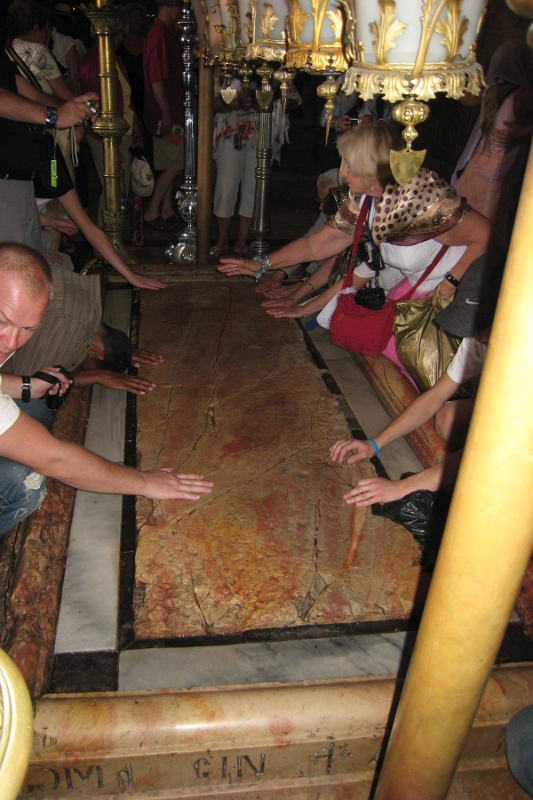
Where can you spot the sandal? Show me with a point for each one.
(216, 251)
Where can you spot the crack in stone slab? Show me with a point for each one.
(210, 415)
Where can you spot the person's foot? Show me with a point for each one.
(241, 248)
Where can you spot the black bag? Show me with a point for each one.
(422, 513)
(373, 297)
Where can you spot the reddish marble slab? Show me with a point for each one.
(240, 400)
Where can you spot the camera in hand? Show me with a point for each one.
(92, 106)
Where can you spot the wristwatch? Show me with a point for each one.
(452, 280)
(26, 389)
(51, 118)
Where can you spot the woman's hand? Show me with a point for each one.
(271, 284)
(289, 302)
(232, 266)
(375, 490)
(146, 283)
(339, 451)
(444, 291)
(282, 291)
(287, 313)
(65, 226)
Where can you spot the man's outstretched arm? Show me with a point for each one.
(29, 443)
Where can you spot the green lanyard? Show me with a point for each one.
(53, 163)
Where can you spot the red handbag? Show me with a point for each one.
(366, 330)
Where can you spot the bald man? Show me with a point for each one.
(28, 452)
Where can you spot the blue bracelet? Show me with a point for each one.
(374, 445)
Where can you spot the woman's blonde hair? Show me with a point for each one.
(366, 149)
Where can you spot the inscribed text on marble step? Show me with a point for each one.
(240, 400)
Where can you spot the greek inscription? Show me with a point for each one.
(124, 777)
(198, 767)
(330, 755)
(41, 787)
(203, 767)
(252, 766)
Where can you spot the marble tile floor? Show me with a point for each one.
(88, 614)
(265, 662)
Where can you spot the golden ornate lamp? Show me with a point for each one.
(413, 49)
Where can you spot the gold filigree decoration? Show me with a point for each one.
(224, 35)
(302, 58)
(295, 21)
(452, 28)
(235, 24)
(268, 20)
(318, 8)
(395, 81)
(336, 23)
(431, 11)
(248, 27)
(386, 31)
(349, 30)
(251, 15)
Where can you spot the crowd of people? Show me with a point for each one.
(427, 239)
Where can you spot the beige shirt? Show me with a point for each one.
(69, 326)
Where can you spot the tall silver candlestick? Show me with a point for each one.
(184, 251)
(261, 215)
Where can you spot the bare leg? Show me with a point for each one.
(452, 422)
(162, 195)
(241, 243)
(223, 224)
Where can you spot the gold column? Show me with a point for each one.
(16, 728)
(109, 125)
(484, 553)
(205, 162)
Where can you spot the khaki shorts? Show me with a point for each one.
(168, 156)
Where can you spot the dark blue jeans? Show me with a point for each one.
(21, 490)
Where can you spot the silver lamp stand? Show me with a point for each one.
(184, 251)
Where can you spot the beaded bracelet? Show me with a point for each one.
(264, 267)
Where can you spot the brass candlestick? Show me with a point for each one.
(109, 125)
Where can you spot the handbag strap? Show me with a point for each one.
(22, 66)
(361, 219)
(427, 272)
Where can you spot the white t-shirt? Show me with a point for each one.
(468, 362)
(9, 411)
(40, 61)
(410, 261)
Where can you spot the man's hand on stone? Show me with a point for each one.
(164, 484)
(339, 451)
(139, 357)
(122, 382)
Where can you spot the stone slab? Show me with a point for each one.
(240, 400)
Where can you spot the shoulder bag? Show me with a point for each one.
(365, 330)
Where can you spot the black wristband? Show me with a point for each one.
(454, 282)
(26, 389)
